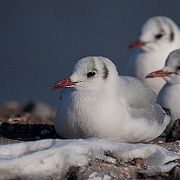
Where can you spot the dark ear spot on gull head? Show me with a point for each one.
(172, 36)
(105, 71)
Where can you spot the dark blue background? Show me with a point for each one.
(41, 40)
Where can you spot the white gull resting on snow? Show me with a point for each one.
(169, 96)
(159, 36)
(102, 104)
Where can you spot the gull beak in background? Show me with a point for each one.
(136, 43)
(63, 83)
(159, 73)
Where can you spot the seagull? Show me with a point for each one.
(159, 36)
(169, 96)
(97, 102)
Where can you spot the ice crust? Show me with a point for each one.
(52, 158)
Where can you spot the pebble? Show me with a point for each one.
(45, 131)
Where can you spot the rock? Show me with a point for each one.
(174, 133)
(40, 110)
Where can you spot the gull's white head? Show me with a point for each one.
(90, 73)
(158, 33)
(171, 71)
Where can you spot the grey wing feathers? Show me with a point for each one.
(142, 100)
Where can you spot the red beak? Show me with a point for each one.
(63, 83)
(136, 43)
(159, 73)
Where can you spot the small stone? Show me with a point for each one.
(19, 139)
(10, 127)
(175, 173)
(127, 174)
(45, 131)
(139, 161)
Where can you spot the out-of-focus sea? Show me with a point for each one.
(40, 41)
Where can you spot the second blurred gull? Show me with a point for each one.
(169, 96)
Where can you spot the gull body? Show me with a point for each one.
(169, 96)
(159, 36)
(99, 103)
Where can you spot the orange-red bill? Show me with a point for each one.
(62, 83)
(136, 43)
(159, 73)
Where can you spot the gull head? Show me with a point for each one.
(171, 70)
(158, 33)
(90, 73)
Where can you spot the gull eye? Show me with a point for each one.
(178, 68)
(158, 36)
(91, 74)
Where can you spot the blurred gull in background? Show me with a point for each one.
(169, 96)
(159, 36)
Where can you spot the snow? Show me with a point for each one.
(95, 176)
(52, 158)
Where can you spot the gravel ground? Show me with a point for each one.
(23, 123)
